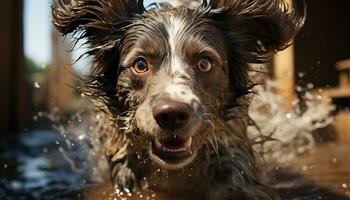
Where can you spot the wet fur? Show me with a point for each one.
(238, 31)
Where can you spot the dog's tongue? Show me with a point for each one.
(173, 142)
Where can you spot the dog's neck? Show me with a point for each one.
(182, 183)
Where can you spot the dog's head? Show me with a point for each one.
(169, 75)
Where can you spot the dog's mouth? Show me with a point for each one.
(173, 152)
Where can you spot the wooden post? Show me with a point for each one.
(13, 112)
(284, 75)
(61, 81)
(284, 71)
(344, 69)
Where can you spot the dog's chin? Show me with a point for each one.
(173, 153)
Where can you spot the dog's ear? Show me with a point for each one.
(261, 26)
(99, 21)
(101, 24)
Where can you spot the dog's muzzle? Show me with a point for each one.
(173, 146)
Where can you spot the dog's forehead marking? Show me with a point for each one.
(177, 87)
(175, 30)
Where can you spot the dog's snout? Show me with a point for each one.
(171, 114)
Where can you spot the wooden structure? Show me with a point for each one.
(13, 108)
(343, 90)
(283, 69)
(284, 74)
(61, 77)
(341, 93)
(344, 68)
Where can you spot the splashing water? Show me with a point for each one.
(81, 134)
(280, 135)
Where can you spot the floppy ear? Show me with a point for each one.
(99, 21)
(102, 24)
(261, 26)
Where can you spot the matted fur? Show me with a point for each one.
(235, 32)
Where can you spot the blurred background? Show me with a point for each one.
(38, 76)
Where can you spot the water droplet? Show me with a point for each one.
(310, 86)
(81, 137)
(299, 89)
(344, 185)
(5, 166)
(117, 191)
(305, 168)
(289, 115)
(334, 160)
(36, 85)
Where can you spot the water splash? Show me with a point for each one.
(81, 133)
(281, 135)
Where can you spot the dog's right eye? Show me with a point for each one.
(140, 66)
(205, 65)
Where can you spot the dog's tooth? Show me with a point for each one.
(188, 143)
(174, 150)
(157, 143)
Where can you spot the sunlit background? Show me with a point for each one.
(306, 94)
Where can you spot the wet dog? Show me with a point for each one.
(173, 83)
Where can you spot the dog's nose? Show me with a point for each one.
(171, 114)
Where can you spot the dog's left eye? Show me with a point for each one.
(205, 65)
(140, 66)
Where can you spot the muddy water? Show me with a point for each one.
(323, 173)
(32, 167)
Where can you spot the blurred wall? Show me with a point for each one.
(12, 70)
(324, 40)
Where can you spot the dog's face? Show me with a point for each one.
(169, 76)
(174, 65)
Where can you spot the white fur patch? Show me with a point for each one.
(175, 29)
(177, 87)
(181, 93)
